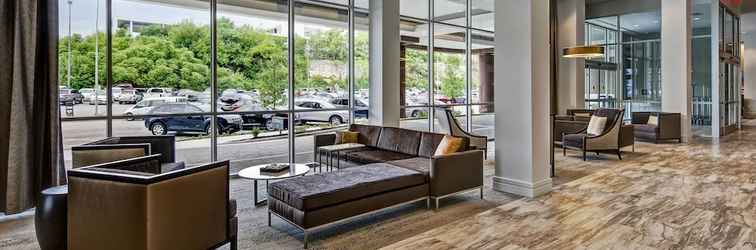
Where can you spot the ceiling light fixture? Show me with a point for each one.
(583, 52)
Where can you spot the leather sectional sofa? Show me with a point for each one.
(396, 167)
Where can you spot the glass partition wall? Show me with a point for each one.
(447, 61)
(628, 75)
(230, 78)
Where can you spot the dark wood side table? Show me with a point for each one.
(51, 218)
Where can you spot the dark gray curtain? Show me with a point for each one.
(30, 139)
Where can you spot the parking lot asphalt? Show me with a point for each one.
(240, 148)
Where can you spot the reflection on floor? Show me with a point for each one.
(695, 196)
(661, 196)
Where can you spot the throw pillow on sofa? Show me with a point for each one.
(653, 120)
(596, 125)
(449, 145)
(346, 137)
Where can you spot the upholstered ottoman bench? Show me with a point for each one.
(314, 201)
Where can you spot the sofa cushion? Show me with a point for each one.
(308, 193)
(428, 143)
(420, 164)
(399, 140)
(574, 140)
(368, 134)
(645, 128)
(375, 155)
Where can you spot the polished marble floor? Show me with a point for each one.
(700, 195)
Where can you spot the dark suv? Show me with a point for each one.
(159, 123)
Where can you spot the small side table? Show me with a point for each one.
(255, 175)
(51, 218)
(336, 150)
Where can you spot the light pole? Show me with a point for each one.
(68, 64)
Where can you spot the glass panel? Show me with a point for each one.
(482, 12)
(414, 71)
(252, 57)
(361, 65)
(191, 131)
(76, 133)
(416, 118)
(321, 51)
(269, 144)
(642, 76)
(449, 65)
(81, 57)
(482, 72)
(450, 12)
(641, 26)
(414, 8)
(166, 58)
(483, 122)
(313, 123)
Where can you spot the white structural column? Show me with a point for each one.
(676, 61)
(522, 97)
(571, 81)
(384, 63)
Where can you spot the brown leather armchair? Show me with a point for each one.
(132, 204)
(127, 147)
(610, 140)
(668, 127)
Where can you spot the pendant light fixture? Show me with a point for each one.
(583, 52)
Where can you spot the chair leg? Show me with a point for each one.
(481, 192)
(564, 150)
(233, 244)
(584, 156)
(619, 154)
(305, 239)
(436, 201)
(269, 224)
(427, 203)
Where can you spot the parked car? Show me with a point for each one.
(116, 94)
(237, 102)
(70, 95)
(360, 107)
(158, 92)
(160, 124)
(86, 93)
(334, 117)
(144, 106)
(128, 96)
(98, 97)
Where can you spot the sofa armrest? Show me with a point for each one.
(456, 172)
(87, 155)
(669, 126)
(640, 117)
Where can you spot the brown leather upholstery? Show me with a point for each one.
(420, 164)
(183, 209)
(375, 156)
(159, 144)
(311, 219)
(309, 193)
(399, 140)
(568, 126)
(456, 172)
(86, 155)
(428, 144)
(669, 127)
(368, 134)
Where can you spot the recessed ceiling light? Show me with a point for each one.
(655, 21)
(636, 25)
(697, 19)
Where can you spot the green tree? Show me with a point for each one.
(452, 81)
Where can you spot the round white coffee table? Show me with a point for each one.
(255, 175)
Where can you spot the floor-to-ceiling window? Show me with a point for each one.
(253, 66)
(447, 62)
(629, 74)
